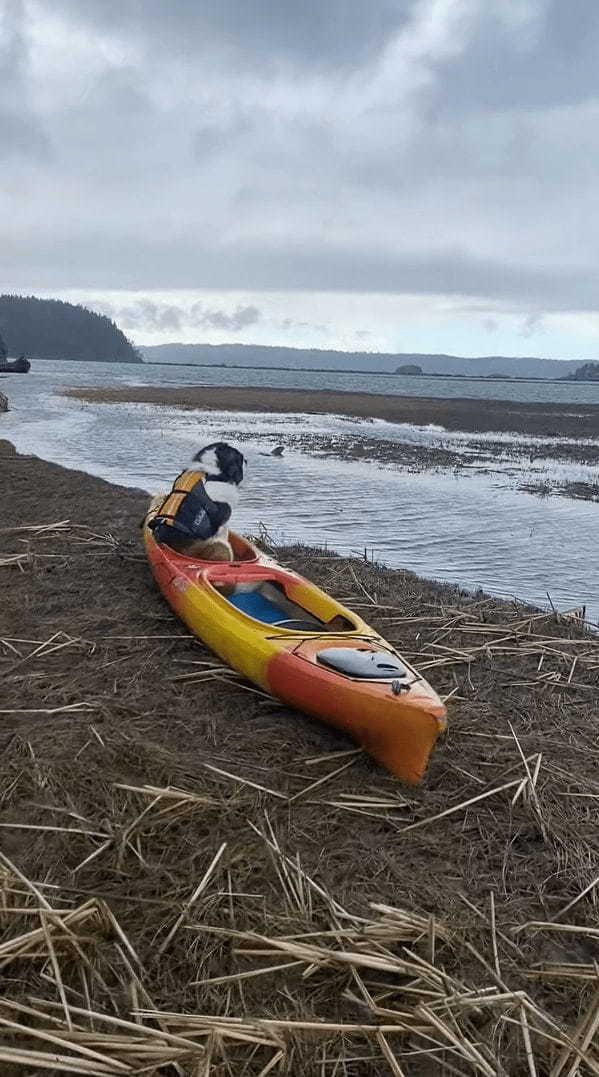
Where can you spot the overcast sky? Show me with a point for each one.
(405, 175)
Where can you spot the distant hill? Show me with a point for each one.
(3, 350)
(370, 362)
(51, 329)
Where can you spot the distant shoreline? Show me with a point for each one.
(516, 379)
(374, 373)
(95, 362)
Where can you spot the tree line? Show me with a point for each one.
(53, 329)
(586, 372)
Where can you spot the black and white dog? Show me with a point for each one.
(193, 517)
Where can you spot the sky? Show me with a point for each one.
(403, 175)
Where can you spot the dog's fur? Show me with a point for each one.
(224, 469)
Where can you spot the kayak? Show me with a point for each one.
(298, 644)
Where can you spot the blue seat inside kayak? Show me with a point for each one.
(256, 606)
(262, 609)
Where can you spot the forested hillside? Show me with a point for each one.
(260, 355)
(586, 372)
(52, 329)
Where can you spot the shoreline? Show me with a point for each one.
(516, 378)
(368, 373)
(134, 766)
(464, 414)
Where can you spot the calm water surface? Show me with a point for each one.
(445, 388)
(535, 392)
(475, 529)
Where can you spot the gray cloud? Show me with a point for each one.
(352, 270)
(149, 316)
(533, 323)
(21, 137)
(308, 34)
(431, 146)
(550, 60)
(292, 324)
(240, 318)
(22, 133)
(145, 314)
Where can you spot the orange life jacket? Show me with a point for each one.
(188, 511)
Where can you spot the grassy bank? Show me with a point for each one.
(477, 416)
(196, 880)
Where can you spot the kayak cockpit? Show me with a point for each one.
(267, 600)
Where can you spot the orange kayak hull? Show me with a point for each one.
(397, 719)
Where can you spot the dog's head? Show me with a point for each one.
(222, 462)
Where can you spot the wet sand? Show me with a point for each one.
(579, 491)
(477, 416)
(381, 451)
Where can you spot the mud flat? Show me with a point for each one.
(563, 439)
(478, 416)
(579, 491)
(196, 879)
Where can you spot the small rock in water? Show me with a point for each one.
(275, 452)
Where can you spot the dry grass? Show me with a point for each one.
(195, 880)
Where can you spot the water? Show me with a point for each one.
(476, 529)
(532, 392)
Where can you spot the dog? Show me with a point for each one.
(192, 519)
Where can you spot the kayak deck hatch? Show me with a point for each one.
(363, 663)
